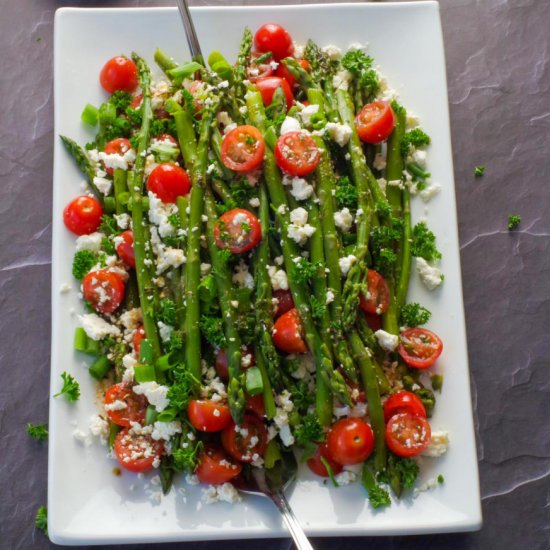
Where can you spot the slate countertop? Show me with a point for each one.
(498, 64)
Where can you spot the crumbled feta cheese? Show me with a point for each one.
(165, 331)
(307, 112)
(64, 288)
(431, 190)
(224, 493)
(82, 437)
(412, 120)
(282, 209)
(91, 242)
(286, 435)
(290, 124)
(382, 183)
(430, 484)
(333, 52)
(340, 133)
(345, 477)
(131, 319)
(299, 216)
(254, 202)
(224, 118)
(165, 430)
(300, 188)
(103, 185)
(346, 262)
(379, 162)
(97, 328)
(115, 160)
(158, 214)
(242, 277)
(329, 297)
(300, 233)
(279, 279)
(191, 479)
(386, 340)
(99, 427)
(343, 219)
(129, 361)
(123, 220)
(166, 256)
(438, 445)
(155, 393)
(430, 275)
(385, 91)
(116, 405)
(341, 80)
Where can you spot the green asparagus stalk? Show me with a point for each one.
(243, 61)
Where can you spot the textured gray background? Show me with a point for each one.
(498, 62)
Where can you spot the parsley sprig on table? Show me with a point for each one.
(37, 431)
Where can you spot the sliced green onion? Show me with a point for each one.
(254, 381)
(145, 351)
(109, 205)
(107, 114)
(167, 415)
(144, 373)
(164, 362)
(150, 415)
(100, 367)
(89, 115)
(80, 341)
(224, 70)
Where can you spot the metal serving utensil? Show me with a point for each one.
(271, 484)
(267, 483)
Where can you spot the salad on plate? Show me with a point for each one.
(245, 246)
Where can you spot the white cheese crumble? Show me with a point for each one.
(341, 80)
(343, 219)
(379, 162)
(386, 340)
(99, 427)
(97, 328)
(115, 160)
(431, 190)
(307, 112)
(333, 52)
(430, 275)
(158, 214)
(165, 331)
(299, 216)
(300, 188)
(103, 185)
(123, 220)
(329, 297)
(279, 279)
(165, 430)
(254, 202)
(345, 263)
(242, 277)
(345, 477)
(221, 493)
(64, 288)
(155, 393)
(300, 233)
(290, 124)
(117, 405)
(438, 445)
(91, 242)
(340, 133)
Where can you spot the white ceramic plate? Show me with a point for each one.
(87, 503)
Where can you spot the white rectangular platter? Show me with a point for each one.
(90, 505)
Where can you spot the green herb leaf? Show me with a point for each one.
(38, 431)
(70, 389)
(356, 61)
(415, 138)
(41, 519)
(423, 245)
(413, 315)
(346, 194)
(513, 221)
(186, 456)
(479, 171)
(83, 261)
(309, 431)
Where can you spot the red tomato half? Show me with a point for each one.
(350, 441)
(255, 405)
(275, 39)
(403, 402)
(117, 146)
(316, 465)
(268, 86)
(297, 154)
(168, 182)
(419, 347)
(136, 102)
(374, 321)
(287, 333)
(243, 149)
(139, 335)
(257, 71)
(104, 290)
(238, 230)
(408, 435)
(215, 467)
(125, 248)
(208, 416)
(244, 441)
(137, 453)
(119, 73)
(377, 299)
(284, 301)
(134, 411)
(375, 122)
(222, 369)
(82, 215)
(283, 72)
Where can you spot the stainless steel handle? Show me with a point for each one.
(192, 40)
(300, 539)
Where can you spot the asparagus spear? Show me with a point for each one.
(243, 61)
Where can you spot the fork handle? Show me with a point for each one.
(300, 539)
(192, 40)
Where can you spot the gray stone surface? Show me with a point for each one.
(498, 56)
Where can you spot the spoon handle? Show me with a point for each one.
(192, 40)
(300, 539)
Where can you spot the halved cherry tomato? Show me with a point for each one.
(419, 347)
(137, 453)
(135, 103)
(215, 467)
(119, 73)
(283, 72)
(238, 230)
(168, 181)
(287, 333)
(134, 411)
(82, 215)
(284, 301)
(275, 39)
(408, 435)
(104, 290)
(268, 86)
(316, 464)
(117, 146)
(297, 154)
(403, 402)
(125, 248)
(208, 416)
(377, 299)
(256, 71)
(255, 405)
(374, 321)
(243, 149)
(350, 441)
(139, 335)
(244, 441)
(375, 122)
